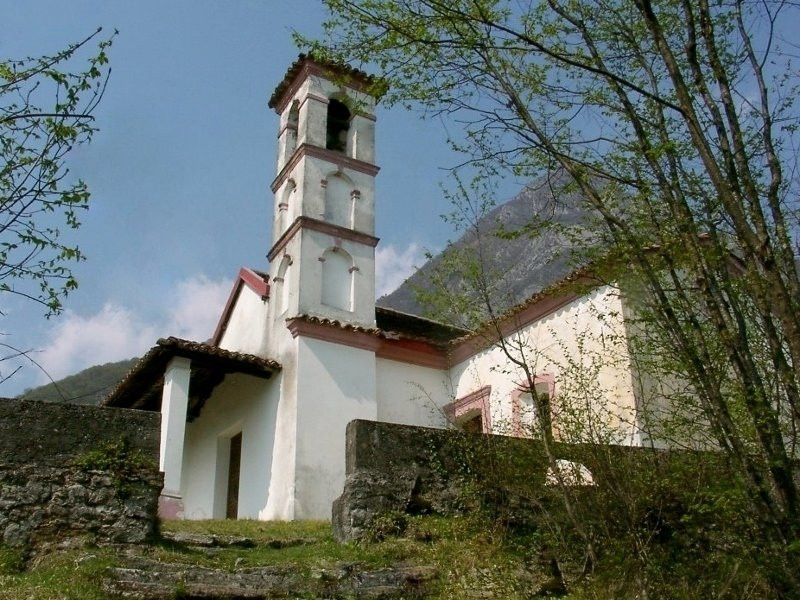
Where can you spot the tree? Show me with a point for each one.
(676, 121)
(46, 108)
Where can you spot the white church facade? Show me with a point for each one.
(253, 420)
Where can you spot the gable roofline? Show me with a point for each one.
(256, 281)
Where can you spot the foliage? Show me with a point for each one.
(46, 106)
(676, 121)
(124, 464)
(89, 386)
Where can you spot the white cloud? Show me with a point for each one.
(393, 266)
(117, 332)
(195, 308)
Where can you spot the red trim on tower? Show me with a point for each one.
(258, 283)
(323, 227)
(331, 156)
(330, 332)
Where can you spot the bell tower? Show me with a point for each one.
(322, 259)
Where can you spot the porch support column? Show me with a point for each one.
(174, 403)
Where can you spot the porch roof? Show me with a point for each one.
(141, 387)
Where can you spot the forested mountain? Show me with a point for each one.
(86, 387)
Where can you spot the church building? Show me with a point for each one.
(253, 420)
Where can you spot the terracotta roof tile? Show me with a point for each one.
(147, 374)
(369, 83)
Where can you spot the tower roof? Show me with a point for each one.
(306, 65)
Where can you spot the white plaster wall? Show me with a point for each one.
(583, 338)
(411, 394)
(337, 385)
(309, 174)
(240, 403)
(247, 325)
(314, 245)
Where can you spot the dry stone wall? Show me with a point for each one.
(72, 473)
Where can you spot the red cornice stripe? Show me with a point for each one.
(407, 351)
(338, 159)
(323, 227)
(413, 352)
(471, 346)
(333, 334)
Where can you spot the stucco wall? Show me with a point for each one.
(247, 324)
(411, 394)
(582, 346)
(337, 385)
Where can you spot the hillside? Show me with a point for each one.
(86, 387)
(518, 264)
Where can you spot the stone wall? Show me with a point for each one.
(71, 473)
(415, 470)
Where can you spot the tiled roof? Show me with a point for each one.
(369, 82)
(415, 327)
(392, 324)
(141, 387)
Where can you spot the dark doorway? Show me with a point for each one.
(232, 509)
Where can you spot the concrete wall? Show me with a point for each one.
(77, 472)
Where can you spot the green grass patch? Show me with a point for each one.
(466, 556)
(62, 575)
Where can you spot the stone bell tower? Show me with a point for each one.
(323, 235)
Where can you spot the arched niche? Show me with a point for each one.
(284, 204)
(337, 279)
(281, 285)
(339, 200)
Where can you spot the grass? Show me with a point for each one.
(466, 558)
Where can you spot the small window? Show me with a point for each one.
(338, 125)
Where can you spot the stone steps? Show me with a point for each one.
(147, 579)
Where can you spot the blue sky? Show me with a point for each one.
(180, 172)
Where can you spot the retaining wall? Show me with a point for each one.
(71, 473)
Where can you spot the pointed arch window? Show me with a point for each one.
(337, 279)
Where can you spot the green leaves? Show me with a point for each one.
(46, 106)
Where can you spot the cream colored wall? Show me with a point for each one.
(245, 404)
(247, 325)
(412, 395)
(583, 346)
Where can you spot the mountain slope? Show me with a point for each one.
(517, 266)
(86, 387)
